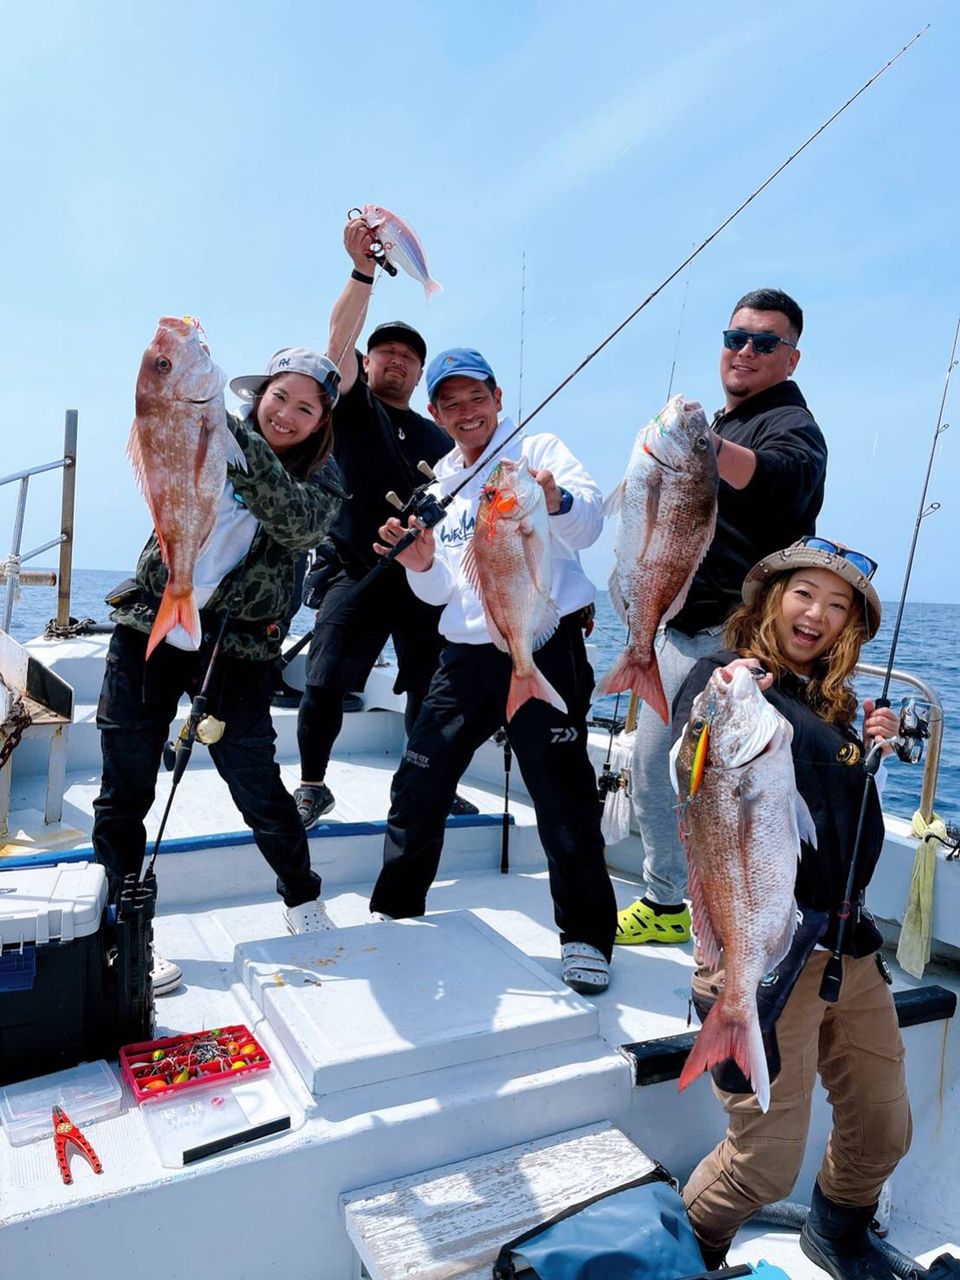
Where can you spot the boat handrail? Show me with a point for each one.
(931, 767)
(11, 566)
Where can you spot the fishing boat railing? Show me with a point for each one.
(931, 767)
(13, 574)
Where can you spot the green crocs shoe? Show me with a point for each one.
(639, 923)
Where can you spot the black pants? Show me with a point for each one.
(352, 629)
(137, 705)
(466, 703)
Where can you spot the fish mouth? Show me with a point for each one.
(656, 457)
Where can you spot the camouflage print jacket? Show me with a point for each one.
(294, 515)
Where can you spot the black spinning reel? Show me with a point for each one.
(915, 719)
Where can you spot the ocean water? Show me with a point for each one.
(927, 648)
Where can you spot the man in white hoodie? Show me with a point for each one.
(466, 702)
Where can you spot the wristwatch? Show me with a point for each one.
(566, 502)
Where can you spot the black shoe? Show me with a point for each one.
(459, 807)
(312, 803)
(836, 1237)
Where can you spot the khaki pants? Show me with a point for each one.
(855, 1046)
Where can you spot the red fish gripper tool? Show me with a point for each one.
(66, 1132)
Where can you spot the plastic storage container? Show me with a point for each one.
(159, 1068)
(88, 1092)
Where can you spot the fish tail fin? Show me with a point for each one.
(641, 677)
(175, 610)
(723, 1036)
(430, 287)
(532, 685)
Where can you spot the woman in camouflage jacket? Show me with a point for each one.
(272, 511)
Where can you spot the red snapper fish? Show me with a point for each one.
(179, 447)
(668, 511)
(401, 245)
(508, 563)
(741, 822)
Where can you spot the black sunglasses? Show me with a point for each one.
(764, 344)
(859, 561)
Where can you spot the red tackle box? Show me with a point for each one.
(159, 1068)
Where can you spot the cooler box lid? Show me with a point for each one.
(51, 904)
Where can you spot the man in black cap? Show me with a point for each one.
(378, 442)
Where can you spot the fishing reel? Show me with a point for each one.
(208, 731)
(611, 781)
(422, 503)
(915, 720)
(376, 250)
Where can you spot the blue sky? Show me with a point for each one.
(200, 158)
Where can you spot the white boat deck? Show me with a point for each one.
(460, 1052)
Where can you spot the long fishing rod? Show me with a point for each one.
(193, 725)
(833, 973)
(434, 509)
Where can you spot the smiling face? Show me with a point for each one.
(813, 611)
(292, 408)
(744, 373)
(393, 370)
(467, 410)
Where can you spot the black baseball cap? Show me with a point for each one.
(398, 331)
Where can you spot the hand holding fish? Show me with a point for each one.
(764, 679)
(879, 723)
(551, 490)
(357, 239)
(418, 557)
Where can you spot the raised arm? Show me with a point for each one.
(350, 309)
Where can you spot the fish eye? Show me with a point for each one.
(698, 725)
(162, 364)
(700, 443)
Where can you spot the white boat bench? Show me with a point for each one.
(453, 1220)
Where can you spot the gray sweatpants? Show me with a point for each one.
(654, 799)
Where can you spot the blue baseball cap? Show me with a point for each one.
(458, 362)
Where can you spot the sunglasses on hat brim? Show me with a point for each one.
(858, 559)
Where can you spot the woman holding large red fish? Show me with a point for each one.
(805, 615)
(504, 565)
(235, 500)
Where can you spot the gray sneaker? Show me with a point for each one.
(312, 803)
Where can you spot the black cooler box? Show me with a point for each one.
(74, 980)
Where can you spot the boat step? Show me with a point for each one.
(453, 1220)
(655, 1061)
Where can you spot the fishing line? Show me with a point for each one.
(412, 534)
(523, 313)
(430, 510)
(676, 345)
(833, 973)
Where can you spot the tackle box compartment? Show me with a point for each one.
(74, 980)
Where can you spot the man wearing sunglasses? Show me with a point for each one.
(772, 460)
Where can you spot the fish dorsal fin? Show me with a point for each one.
(551, 620)
(615, 592)
(805, 824)
(614, 499)
(470, 569)
(708, 942)
(235, 455)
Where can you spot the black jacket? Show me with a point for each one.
(778, 506)
(828, 761)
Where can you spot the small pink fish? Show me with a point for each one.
(401, 245)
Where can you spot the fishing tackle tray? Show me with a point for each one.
(159, 1068)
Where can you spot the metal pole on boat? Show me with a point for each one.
(67, 510)
(833, 973)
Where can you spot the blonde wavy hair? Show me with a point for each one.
(829, 692)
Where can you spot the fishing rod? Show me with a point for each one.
(198, 725)
(429, 510)
(916, 728)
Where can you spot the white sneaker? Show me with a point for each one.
(309, 917)
(584, 968)
(377, 917)
(165, 976)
